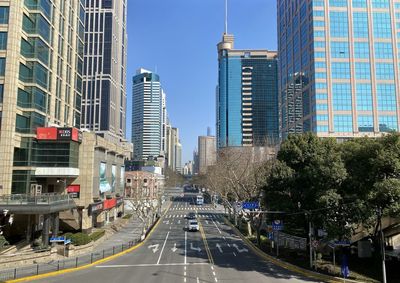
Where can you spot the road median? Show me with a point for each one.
(284, 264)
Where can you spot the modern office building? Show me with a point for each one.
(339, 67)
(146, 115)
(41, 59)
(195, 162)
(207, 154)
(247, 96)
(164, 123)
(178, 157)
(104, 68)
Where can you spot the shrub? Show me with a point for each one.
(78, 239)
(97, 235)
(3, 242)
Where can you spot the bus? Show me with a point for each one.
(199, 200)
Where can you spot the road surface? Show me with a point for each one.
(173, 255)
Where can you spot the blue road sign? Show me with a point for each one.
(271, 236)
(344, 243)
(277, 225)
(57, 239)
(251, 205)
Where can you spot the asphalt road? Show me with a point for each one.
(171, 254)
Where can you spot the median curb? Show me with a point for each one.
(284, 264)
(68, 270)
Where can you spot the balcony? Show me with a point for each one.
(39, 204)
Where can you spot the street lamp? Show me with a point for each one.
(382, 243)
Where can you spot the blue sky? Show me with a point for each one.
(178, 38)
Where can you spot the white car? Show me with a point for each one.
(193, 225)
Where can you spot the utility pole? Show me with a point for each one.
(382, 244)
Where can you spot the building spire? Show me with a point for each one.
(226, 16)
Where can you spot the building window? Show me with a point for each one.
(3, 40)
(387, 123)
(343, 123)
(386, 96)
(382, 25)
(322, 118)
(4, 15)
(2, 66)
(383, 50)
(363, 71)
(339, 24)
(361, 50)
(360, 24)
(338, 3)
(365, 123)
(321, 106)
(340, 70)
(1, 92)
(384, 71)
(322, 129)
(341, 94)
(339, 49)
(380, 3)
(359, 3)
(364, 97)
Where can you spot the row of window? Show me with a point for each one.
(343, 123)
(341, 70)
(340, 49)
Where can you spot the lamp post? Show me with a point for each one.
(307, 214)
(382, 243)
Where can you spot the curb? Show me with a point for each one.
(55, 273)
(284, 264)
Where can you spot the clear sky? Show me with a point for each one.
(178, 38)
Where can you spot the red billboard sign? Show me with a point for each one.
(110, 203)
(73, 188)
(61, 134)
(46, 133)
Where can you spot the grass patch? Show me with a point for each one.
(127, 216)
(78, 239)
(97, 235)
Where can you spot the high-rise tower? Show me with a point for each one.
(104, 71)
(247, 96)
(339, 67)
(146, 115)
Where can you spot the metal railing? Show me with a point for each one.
(56, 265)
(28, 199)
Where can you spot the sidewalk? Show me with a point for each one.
(126, 237)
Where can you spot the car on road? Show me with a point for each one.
(193, 225)
(191, 215)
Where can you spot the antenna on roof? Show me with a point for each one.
(226, 16)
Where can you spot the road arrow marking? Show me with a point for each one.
(195, 249)
(154, 247)
(174, 249)
(240, 250)
(219, 248)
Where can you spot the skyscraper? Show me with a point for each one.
(339, 67)
(41, 59)
(146, 115)
(164, 124)
(247, 96)
(104, 68)
(207, 154)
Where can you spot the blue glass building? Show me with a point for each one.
(247, 96)
(339, 66)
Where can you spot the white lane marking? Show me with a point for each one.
(219, 248)
(214, 273)
(212, 267)
(234, 254)
(240, 250)
(152, 264)
(179, 222)
(197, 279)
(170, 227)
(217, 227)
(194, 248)
(174, 249)
(154, 247)
(162, 249)
(184, 279)
(185, 245)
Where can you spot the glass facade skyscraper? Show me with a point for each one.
(339, 66)
(104, 68)
(247, 96)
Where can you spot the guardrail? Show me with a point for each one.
(27, 199)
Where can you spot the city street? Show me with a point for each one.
(172, 254)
